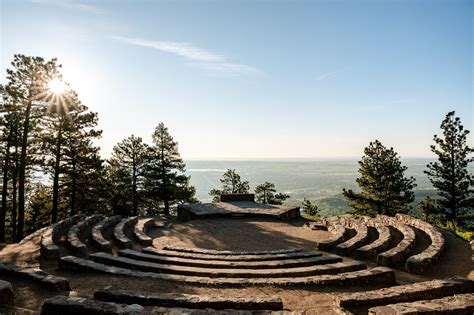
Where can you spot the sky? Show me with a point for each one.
(258, 79)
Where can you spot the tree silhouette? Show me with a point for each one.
(231, 184)
(449, 175)
(384, 188)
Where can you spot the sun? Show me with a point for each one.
(56, 86)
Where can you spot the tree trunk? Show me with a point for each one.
(22, 174)
(134, 187)
(14, 196)
(167, 207)
(54, 211)
(3, 211)
(73, 187)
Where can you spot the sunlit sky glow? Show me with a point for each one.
(258, 79)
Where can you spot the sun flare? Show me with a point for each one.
(56, 86)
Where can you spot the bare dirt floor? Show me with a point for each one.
(229, 234)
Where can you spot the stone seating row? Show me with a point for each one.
(359, 246)
(50, 239)
(97, 234)
(249, 257)
(146, 266)
(267, 264)
(47, 280)
(79, 232)
(229, 252)
(378, 275)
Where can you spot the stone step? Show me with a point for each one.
(381, 244)
(422, 261)
(374, 276)
(226, 273)
(79, 233)
(120, 232)
(399, 252)
(210, 311)
(97, 233)
(269, 264)
(229, 252)
(462, 304)
(61, 305)
(111, 294)
(49, 246)
(168, 253)
(142, 227)
(47, 280)
(407, 293)
(360, 238)
(339, 235)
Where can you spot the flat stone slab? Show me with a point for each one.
(210, 311)
(168, 253)
(407, 293)
(111, 294)
(462, 304)
(237, 209)
(227, 273)
(378, 275)
(268, 264)
(6, 293)
(47, 280)
(229, 252)
(77, 305)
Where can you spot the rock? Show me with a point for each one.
(6, 293)
(77, 305)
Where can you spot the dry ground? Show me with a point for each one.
(229, 234)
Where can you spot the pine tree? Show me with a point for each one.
(231, 184)
(126, 172)
(165, 179)
(384, 187)
(450, 175)
(27, 85)
(310, 207)
(429, 210)
(266, 193)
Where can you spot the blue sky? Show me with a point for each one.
(258, 79)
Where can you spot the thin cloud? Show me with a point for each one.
(328, 75)
(71, 4)
(201, 58)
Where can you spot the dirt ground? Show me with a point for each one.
(230, 234)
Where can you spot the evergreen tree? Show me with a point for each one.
(231, 184)
(450, 175)
(165, 180)
(126, 171)
(429, 210)
(384, 187)
(27, 85)
(310, 207)
(266, 193)
(39, 208)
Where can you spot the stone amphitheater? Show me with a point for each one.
(237, 265)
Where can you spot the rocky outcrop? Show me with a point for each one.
(6, 293)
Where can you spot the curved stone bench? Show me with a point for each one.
(43, 278)
(110, 294)
(226, 273)
(462, 304)
(49, 246)
(97, 233)
(402, 249)
(360, 238)
(378, 275)
(80, 305)
(119, 232)
(76, 235)
(229, 252)
(339, 234)
(141, 228)
(420, 262)
(382, 243)
(223, 264)
(167, 253)
(407, 293)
